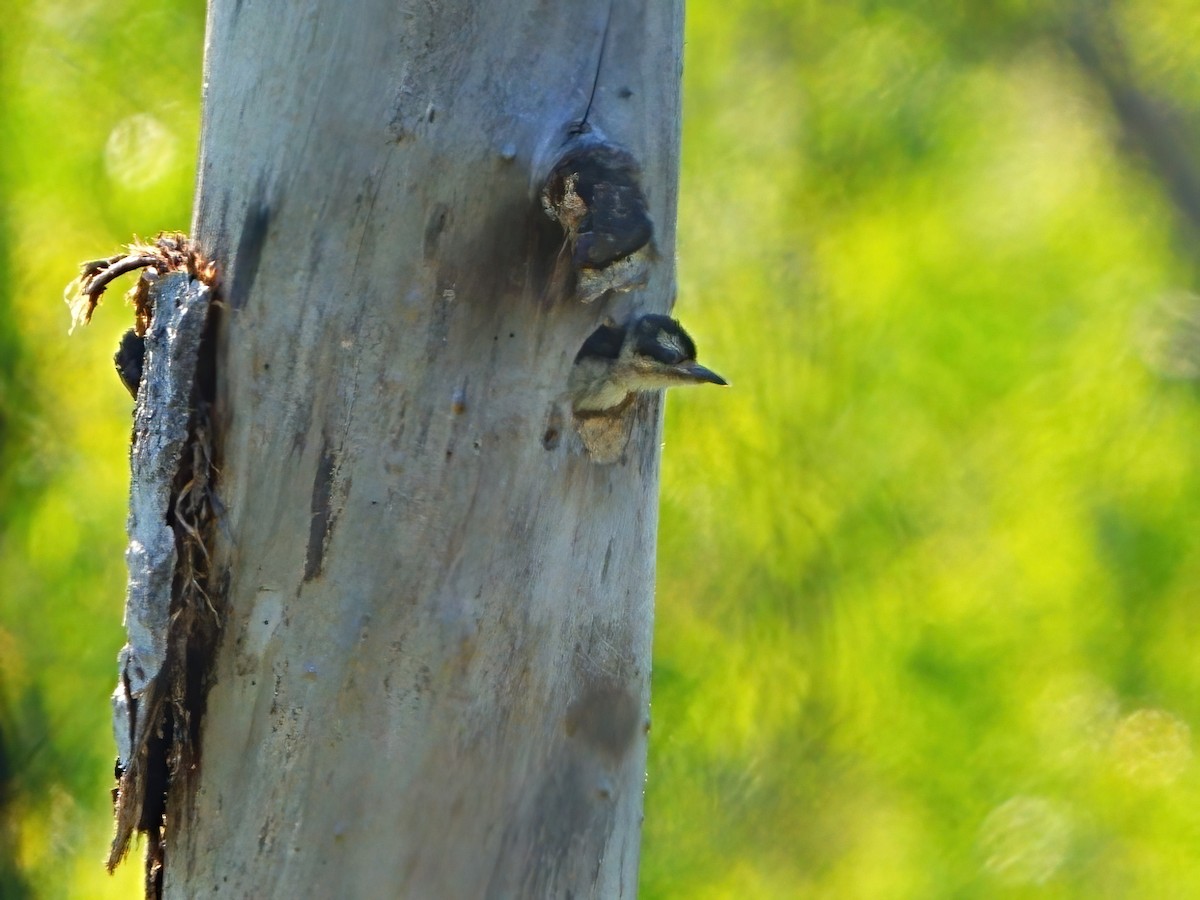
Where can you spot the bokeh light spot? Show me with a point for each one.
(1152, 747)
(1075, 719)
(1025, 840)
(140, 151)
(1167, 335)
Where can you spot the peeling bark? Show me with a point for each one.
(165, 361)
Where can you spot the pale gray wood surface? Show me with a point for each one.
(433, 679)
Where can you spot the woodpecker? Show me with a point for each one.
(647, 354)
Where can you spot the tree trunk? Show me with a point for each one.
(433, 675)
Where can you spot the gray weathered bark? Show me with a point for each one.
(433, 675)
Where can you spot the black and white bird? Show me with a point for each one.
(616, 362)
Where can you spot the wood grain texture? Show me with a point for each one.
(433, 680)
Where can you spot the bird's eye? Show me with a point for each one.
(670, 349)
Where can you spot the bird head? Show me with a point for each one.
(649, 353)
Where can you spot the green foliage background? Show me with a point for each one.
(928, 591)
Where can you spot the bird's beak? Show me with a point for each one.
(693, 371)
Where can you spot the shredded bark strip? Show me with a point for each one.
(171, 618)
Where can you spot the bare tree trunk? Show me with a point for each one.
(433, 675)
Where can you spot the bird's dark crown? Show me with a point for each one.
(655, 336)
(663, 339)
(603, 343)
